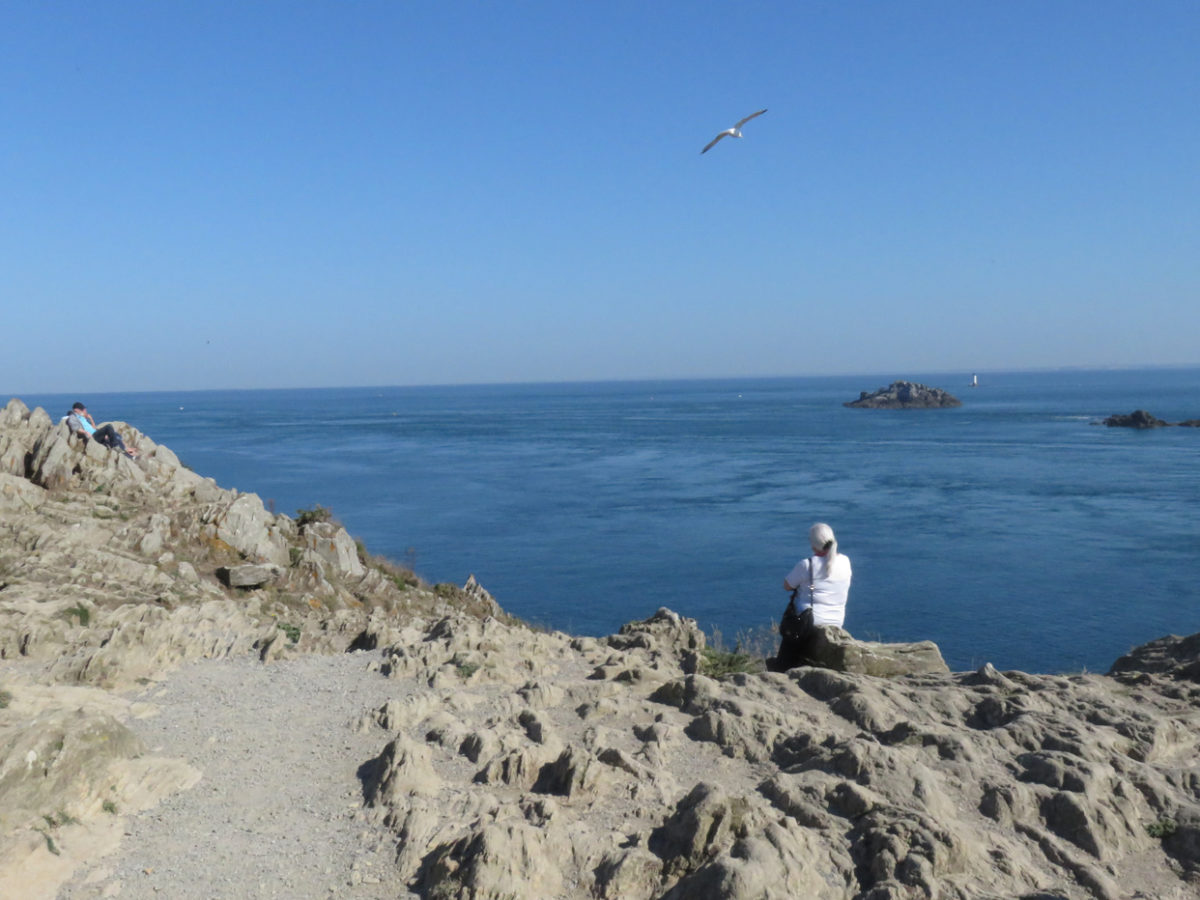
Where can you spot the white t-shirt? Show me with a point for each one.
(830, 591)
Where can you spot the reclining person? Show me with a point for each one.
(80, 421)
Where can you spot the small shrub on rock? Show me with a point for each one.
(1163, 828)
(313, 515)
(722, 663)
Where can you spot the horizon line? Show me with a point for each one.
(637, 380)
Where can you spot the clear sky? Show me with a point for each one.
(277, 194)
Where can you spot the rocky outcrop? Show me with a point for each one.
(1139, 418)
(113, 568)
(1178, 658)
(533, 765)
(904, 395)
(834, 648)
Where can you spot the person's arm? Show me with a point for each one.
(799, 574)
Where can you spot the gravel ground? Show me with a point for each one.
(278, 809)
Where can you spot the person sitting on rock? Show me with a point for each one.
(821, 581)
(80, 421)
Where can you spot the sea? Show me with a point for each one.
(1013, 530)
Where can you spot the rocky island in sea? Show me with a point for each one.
(1141, 419)
(520, 763)
(904, 395)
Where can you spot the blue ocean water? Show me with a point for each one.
(1010, 530)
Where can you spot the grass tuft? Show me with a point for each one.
(723, 663)
(1163, 828)
(466, 670)
(81, 612)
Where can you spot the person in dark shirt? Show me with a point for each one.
(80, 421)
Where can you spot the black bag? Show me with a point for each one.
(796, 626)
(795, 629)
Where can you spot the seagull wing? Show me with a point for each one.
(749, 117)
(726, 133)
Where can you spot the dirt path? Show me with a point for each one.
(277, 811)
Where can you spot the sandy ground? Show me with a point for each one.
(277, 809)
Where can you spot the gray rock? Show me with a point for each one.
(330, 544)
(1139, 418)
(57, 754)
(834, 648)
(904, 395)
(245, 525)
(248, 576)
(1176, 657)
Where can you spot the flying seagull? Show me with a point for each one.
(735, 131)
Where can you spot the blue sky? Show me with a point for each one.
(268, 194)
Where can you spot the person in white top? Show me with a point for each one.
(829, 572)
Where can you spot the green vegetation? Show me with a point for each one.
(292, 631)
(404, 579)
(295, 554)
(81, 612)
(110, 807)
(722, 663)
(5, 699)
(311, 516)
(749, 652)
(466, 670)
(1163, 828)
(402, 576)
(55, 822)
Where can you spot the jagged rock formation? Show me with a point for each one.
(521, 764)
(1139, 418)
(109, 576)
(904, 395)
(604, 768)
(112, 568)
